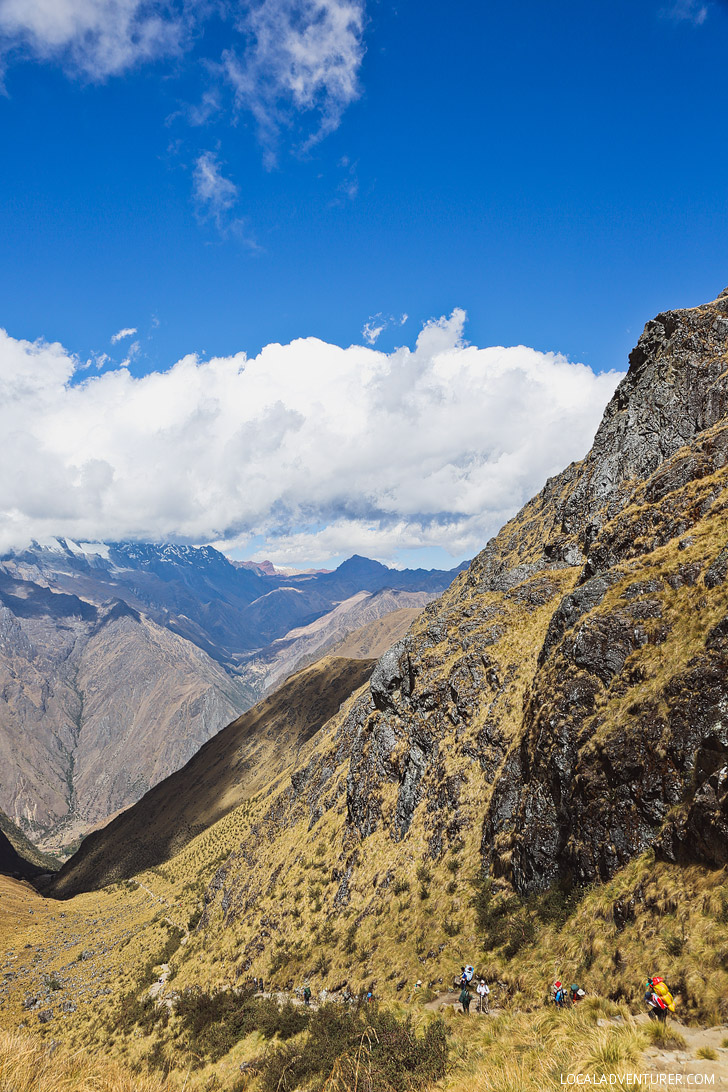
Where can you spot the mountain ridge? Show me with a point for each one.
(240, 760)
(117, 661)
(533, 728)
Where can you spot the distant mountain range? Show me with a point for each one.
(119, 660)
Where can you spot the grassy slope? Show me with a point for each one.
(246, 756)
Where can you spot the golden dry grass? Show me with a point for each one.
(27, 1064)
(529, 1052)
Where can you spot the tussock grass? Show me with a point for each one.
(521, 1052)
(28, 1065)
(666, 1036)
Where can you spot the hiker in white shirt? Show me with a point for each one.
(483, 996)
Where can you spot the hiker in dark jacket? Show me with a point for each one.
(465, 999)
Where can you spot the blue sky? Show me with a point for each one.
(557, 171)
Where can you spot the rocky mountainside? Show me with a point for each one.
(98, 703)
(247, 756)
(559, 711)
(117, 662)
(18, 856)
(365, 616)
(12, 864)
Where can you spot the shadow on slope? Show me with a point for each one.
(234, 765)
(18, 856)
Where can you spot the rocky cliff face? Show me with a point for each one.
(561, 708)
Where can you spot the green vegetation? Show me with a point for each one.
(215, 1022)
(370, 1050)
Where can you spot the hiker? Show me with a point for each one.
(658, 996)
(307, 995)
(465, 999)
(483, 996)
(463, 979)
(557, 994)
(260, 985)
(576, 993)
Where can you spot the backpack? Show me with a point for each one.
(667, 1001)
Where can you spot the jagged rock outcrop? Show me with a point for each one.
(565, 703)
(560, 709)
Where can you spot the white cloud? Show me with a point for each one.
(128, 331)
(314, 448)
(692, 11)
(213, 191)
(216, 198)
(290, 63)
(377, 324)
(95, 38)
(372, 329)
(285, 57)
(303, 56)
(131, 354)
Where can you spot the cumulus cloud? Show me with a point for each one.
(128, 331)
(317, 449)
(96, 38)
(302, 56)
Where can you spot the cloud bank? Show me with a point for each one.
(95, 38)
(315, 449)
